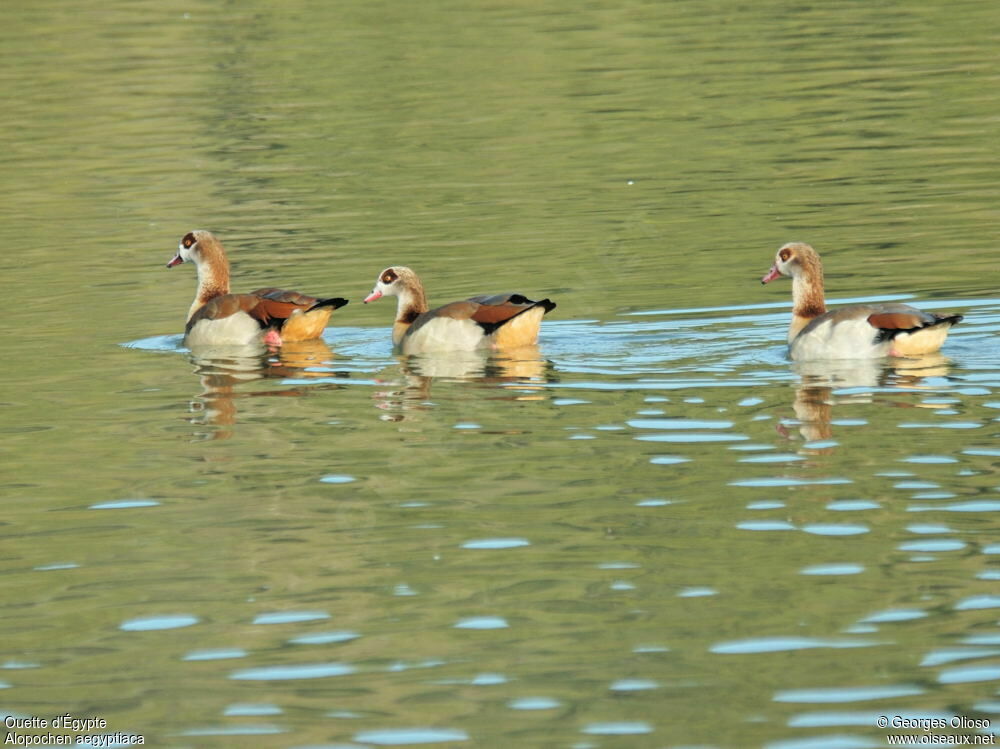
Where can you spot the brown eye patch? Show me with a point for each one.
(188, 240)
(389, 276)
(784, 255)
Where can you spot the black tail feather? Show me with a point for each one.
(335, 301)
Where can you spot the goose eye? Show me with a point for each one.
(188, 241)
(388, 277)
(784, 255)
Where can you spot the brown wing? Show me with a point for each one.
(489, 316)
(455, 310)
(303, 302)
(221, 307)
(499, 298)
(272, 312)
(513, 298)
(498, 314)
(888, 317)
(264, 310)
(282, 295)
(900, 320)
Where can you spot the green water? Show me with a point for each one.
(653, 530)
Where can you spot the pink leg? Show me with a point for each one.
(272, 338)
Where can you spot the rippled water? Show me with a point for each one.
(650, 530)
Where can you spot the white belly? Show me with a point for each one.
(849, 339)
(235, 330)
(445, 334)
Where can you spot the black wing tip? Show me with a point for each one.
(548, 304)
(335, 301)
(887, 334)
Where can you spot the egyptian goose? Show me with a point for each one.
(860, 331)
(270, 316)
(487, 321)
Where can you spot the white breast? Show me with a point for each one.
(445, 334)
(235, 330)
(848, 339)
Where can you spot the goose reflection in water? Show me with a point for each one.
(827, 384)
(222, 370)
(517, 374)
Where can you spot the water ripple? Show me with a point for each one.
(124, 504)
(833, 569)
(150, 623)
(950, 655)
(496, 543)
(765, 525)
(252, 710)
(283, 673)
(482, 622)
(835, 529)
(697, 592)
(932, 545)
(290, 617)
(968, 674)
(215, 654)
(338, 478)
(847, 694)
(856, 718)
(978, 602)
(324, 638)
(679, 424)
(773, 482)
(533, 703)
(407, 736)
(622, 728)
(692, 437)
(894, 615)
(975, 505)
(784, 644)
(853, 505)
(264, 729)
(634, 685)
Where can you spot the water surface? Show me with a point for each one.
(650, 530)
